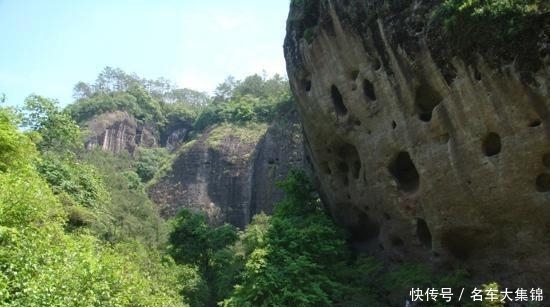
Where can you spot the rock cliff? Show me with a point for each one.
(230, 171)
(118, 131)
(425, 151)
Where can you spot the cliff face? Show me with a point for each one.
(118, 131)
(230, 171)
(425, 154)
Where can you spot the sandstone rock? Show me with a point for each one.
(420, 163)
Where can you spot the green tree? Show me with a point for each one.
(15, 148)
(189, 96)
(194, 242)
(224, 90)
(57, 130)
(293, 266)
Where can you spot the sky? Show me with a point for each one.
(46, 47)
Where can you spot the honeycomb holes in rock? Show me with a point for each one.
(491, 144)
(368, 89)
(423, 233)
(535, 123)
(404, 172)
(337, 101)
(477, 74)
(306, 85)
(349, 154)
(425, 100)
(376, 64)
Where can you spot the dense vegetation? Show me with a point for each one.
(160, 104)
(500, 30)
(45, 258)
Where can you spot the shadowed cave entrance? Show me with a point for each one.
(338, 101)
(404, 172)
(491, 145)
(368, 89)
(425, 100)
(365, 229)
(423, 233)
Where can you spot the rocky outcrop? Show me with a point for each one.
(176, 138)
(230, 171)
(424, 154)
(118, 131)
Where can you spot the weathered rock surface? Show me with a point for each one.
(118, 131)
(230, 171)
(420, 165)
(176, 138)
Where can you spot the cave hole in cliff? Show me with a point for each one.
(535, 123)
(393, 124)
(337, 101)
(546, 160)
(354, 74)
(543, 183)
(477, 74)
(365, 229)
(423, 233)
(426, 99)
(349, 154)
(404, 172)
(368, 89)
(376, 64)
(306, 84)
(491, 145)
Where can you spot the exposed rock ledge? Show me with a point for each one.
(118, 131)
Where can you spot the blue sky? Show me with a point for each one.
(48, 46)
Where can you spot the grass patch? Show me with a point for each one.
(248, 133)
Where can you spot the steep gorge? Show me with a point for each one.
(427, 151)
